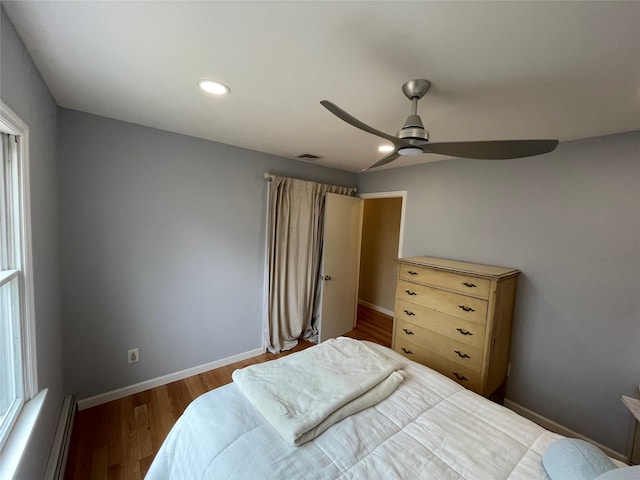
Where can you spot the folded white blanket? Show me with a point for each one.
(303, 394)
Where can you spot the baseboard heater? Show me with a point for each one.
(60, 448)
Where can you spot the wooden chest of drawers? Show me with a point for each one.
(455, 317)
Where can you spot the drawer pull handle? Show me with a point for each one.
(408, 332)
(409, 292)
(409, 312)
(460, 377)
(462, 355)
(408, 352)
(466, 309)
(411, 272)
(464, 332)
(470, 285)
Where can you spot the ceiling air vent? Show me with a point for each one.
(308, 156)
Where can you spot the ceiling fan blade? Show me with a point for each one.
(338, 112)
(492, 150)
(388, 159)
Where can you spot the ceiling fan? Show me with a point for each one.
(413, 139)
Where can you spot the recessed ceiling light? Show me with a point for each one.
(213, 87)
(385, 148)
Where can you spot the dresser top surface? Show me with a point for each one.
(461, 267)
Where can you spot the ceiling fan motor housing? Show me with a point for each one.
(413, 129)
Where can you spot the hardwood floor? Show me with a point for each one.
(119, 439)
(373, 326)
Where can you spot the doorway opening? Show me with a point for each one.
(381, 244)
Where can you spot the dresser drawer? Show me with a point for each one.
(468, 285)
(468, 356)
(464, 376)
(461, 306)
(463, 331)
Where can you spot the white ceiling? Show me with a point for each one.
(500, 70)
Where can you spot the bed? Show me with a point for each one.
(429, 427)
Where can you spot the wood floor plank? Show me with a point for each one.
(160, 417)
(118, 440)
(143, 432)
(195, 386)
(373, 325)
(99, 467)
(212, 379)
(100, 425)
(115, 440)
(179, 397)
(116, 472)
(145, 463)
(131, 458)
(130, 439)
(226, 372)
(142, 398)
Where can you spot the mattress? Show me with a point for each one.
(429, 428)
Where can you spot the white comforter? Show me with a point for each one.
(428, 428)
(302, 395)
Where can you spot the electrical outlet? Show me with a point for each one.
(134, 355)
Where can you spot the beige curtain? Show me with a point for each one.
(294, 248)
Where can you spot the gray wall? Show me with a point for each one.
(162, 249)
(570, 220)
(23, 90)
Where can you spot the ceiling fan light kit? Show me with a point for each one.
(412, 139)
(410, 151)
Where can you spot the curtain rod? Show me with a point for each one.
(269, 177)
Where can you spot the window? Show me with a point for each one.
(17, 347)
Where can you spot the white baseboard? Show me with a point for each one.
(163, 380)
(60, 447)
(376, 308)
(560, 429)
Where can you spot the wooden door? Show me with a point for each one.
(340, 265)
